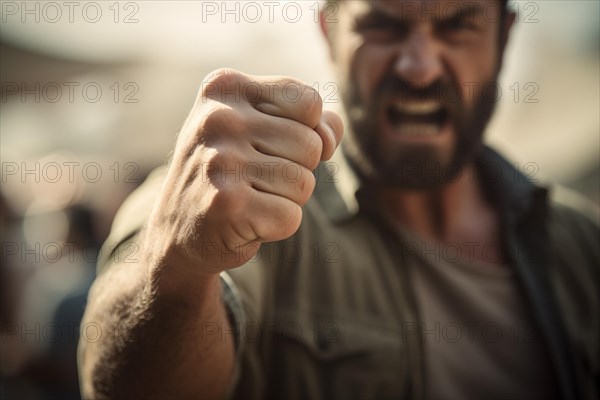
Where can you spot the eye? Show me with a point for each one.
(381, 29)
(384, 33)
(457, 24)
(380, 34)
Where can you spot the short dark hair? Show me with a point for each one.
(503, 11)
(503, 2)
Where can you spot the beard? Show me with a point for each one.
(419, 166)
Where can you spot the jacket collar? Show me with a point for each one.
(337, 188)
(516, 194)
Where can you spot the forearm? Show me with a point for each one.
(152, 342)
(159, 311)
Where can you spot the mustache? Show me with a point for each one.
(394, 86)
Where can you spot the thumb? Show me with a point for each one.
(331, 131)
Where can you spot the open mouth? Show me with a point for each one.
(417, 118)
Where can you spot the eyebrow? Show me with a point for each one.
(379, 17)
(471, 11)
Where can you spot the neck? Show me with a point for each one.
(457, 212)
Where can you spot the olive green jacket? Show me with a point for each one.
(329, 312)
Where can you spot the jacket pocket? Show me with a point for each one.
(336, 357)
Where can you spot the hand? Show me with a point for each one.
(241, 170)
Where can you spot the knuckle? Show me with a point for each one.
(312, 104)
(220, 169)
(314, 148)
(221, 120)
(217, 81)
(222, 76)
(305, 97)
(306, 186)
(292, 217)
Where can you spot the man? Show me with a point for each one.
(422, 266)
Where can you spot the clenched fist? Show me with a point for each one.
(241, 171)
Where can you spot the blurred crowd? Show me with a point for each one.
(44, 287)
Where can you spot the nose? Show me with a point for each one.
(418, 61)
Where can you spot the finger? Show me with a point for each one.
(281, 177)
(331, 131)
(285, 97)
(272, 218)
(287, 139)
(273, 95)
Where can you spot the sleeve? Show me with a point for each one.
(247, 297)
(574, 231)
(130, 219)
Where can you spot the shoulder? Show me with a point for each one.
(574, 230)
(132, 215)
(575, 215)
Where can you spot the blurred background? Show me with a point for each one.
(94, 93)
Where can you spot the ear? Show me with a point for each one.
(509, 21)
(325, 30)
(323, 24)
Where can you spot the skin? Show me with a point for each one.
(413, 47)
(162, 303)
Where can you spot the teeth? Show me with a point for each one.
(417, 107)
(417, 129)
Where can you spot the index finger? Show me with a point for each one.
(285, 97)
(273, 95)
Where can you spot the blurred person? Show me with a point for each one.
(424, 265)
(13, 355)
(53, 301)
(62, 354)
(8, 219)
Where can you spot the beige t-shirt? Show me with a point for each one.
(479, 338)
